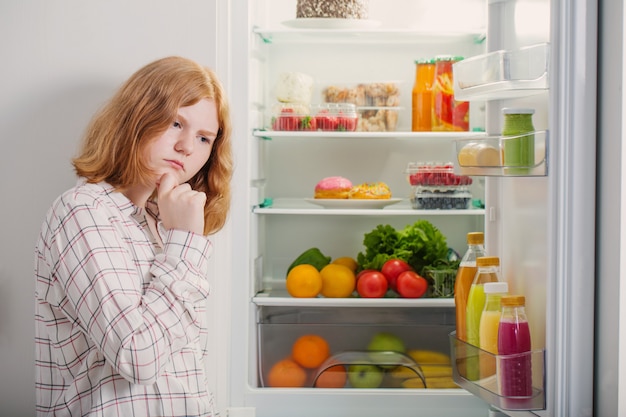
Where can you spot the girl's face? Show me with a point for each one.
(187, 143)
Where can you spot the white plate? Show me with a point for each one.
(330, 23)
(332, 203)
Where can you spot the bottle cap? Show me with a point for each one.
(475, 238)
(517, 110)
(513, 301)
(496, 287)
(488, 261)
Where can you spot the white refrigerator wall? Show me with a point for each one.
(60, 61)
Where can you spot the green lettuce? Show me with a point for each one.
(419, 244)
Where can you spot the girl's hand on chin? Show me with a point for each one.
(180, 207)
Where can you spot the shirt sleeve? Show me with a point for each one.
(136, 328)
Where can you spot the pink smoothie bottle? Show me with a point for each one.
(514, 367)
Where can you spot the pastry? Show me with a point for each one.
(370, 191)
(333, 187)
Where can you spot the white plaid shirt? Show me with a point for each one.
(120, 323)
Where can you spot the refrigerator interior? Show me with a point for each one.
(283, 169)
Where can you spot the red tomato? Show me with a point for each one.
(372, 284)
(392, 268)
(363, 272)
(411, 285)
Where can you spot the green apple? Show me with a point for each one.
(365, 376)
(386, 343)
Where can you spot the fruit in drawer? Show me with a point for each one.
(365, 376)
(310, 351)
(384, 343)
(304, 281)
(429, 356)
(392, 269)
(372, 284)
(311, 256)
(286, 373)
(338, 281)
(333, 377)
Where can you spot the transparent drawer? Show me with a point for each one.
(523, 155)
(502, 74)
(484, 375)
(414, 354)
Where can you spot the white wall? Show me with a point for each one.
(60, 60)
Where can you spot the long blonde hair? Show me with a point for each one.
(145, 105)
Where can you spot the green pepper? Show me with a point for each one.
(313, 257)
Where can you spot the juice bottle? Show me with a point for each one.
(422, 97)
(464, 278)
(514, 367)
(487, 272)
(489, 323)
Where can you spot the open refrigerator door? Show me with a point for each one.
(280, 162)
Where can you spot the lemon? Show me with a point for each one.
(338, 281)
(346, 261)
(304, 281)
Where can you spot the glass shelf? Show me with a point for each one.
(270, 134)
(468, 360)
(485, 156)
(300, 206)
(280, 298)
(502, 74)
(354, 36)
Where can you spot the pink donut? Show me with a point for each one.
(333, 187)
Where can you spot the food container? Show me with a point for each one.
(428, 199)
(340, 117)
(436, 175)
(377, 119)
(374, 94)
(441, 281)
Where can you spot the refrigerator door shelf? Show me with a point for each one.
(503, 74)
(485, 156)
(464, 354)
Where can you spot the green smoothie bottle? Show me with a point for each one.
(520, 150)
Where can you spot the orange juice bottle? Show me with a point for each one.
(464, 277)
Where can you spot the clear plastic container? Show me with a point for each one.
(377, 119)
(435, 174)
(340, 117)
(426, 199)
(376, 94)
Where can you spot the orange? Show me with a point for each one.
(337, 281)
(346, 261)
(310, 351)
(333, 377)
(304, 281)
(287, 374)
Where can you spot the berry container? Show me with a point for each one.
(436, 176)
(340, 117)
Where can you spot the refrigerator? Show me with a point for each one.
(538, 54)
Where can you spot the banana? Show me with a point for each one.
(429, 357)
(432, 382)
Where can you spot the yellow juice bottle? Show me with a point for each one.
(488, 329)
(487, 272)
